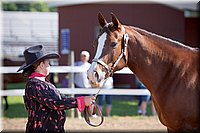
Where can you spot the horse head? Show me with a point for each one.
(111, 53)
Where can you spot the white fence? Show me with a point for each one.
(60, 69)
(72, 91)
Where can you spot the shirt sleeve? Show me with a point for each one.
(80, 102)
(49, 97)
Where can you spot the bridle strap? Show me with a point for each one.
(126, 38)
(123, 54)
(102, 63)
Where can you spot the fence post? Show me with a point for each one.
(71, 78)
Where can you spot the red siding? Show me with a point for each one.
(192, 32)
(82, 20)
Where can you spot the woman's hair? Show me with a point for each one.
(28, 71)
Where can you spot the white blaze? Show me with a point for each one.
(101, 43)
(100, 46)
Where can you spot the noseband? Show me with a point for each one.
(123, 54)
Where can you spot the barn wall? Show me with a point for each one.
(82, 20)
(192, 32)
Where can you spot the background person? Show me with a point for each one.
(44, 103)
(143, 100)
(142, 103)
(108, 84)
(80, 79)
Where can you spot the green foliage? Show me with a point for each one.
(9, 7)
(32, 7)
(40, 6)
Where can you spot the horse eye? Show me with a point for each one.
(113, 44)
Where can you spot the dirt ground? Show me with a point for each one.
(110, 124)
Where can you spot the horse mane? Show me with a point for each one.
(163, 39)
(176, 50)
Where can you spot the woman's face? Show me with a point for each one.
(46, 67)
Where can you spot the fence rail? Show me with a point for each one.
(71, 91)
(60, 69)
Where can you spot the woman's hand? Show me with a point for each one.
(89, 100)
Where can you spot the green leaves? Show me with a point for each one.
(29, 6)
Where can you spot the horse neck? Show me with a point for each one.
(153, 60)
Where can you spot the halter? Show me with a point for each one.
(123, 54)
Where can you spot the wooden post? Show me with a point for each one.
(71, 78)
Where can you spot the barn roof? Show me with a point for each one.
(23, 29)
(178, 4)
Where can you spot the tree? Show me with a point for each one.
(32, 7)
(40, 6)
(9, 7)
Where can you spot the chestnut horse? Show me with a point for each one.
(168, 69)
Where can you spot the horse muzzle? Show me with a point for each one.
(96, 76)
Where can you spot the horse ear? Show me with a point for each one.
(115, 21)
(102, 20)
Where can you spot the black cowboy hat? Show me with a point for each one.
(34, 55)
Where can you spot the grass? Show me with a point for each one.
(16, 108)
(120, 107)
(16, 85)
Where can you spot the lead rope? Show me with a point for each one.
(92, 112)
(88, 113)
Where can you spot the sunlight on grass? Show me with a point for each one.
(16, 108)
(15, 100)
(119, 108)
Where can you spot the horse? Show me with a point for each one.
(10, 78)
(169, 70)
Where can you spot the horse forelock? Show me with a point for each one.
(108, 28)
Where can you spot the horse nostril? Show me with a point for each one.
(97, 77)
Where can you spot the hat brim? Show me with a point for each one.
(47, 56)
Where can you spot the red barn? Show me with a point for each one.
(79, 26)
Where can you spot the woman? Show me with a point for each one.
(45, 105)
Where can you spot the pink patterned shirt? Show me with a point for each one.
(46, 106)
